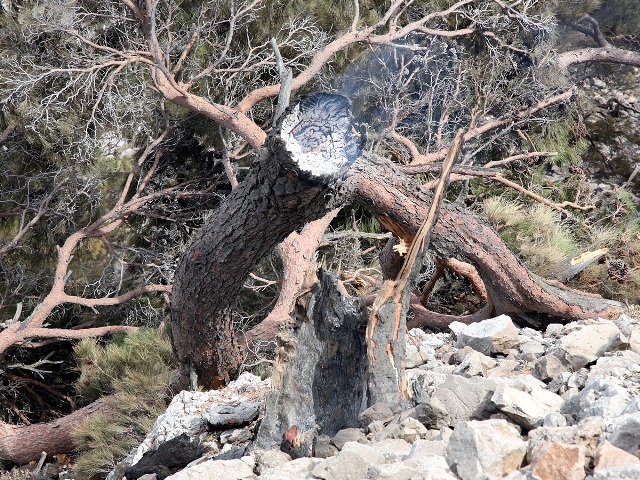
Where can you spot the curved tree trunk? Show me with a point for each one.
(511, 288)
(291, 185)
(299, 178)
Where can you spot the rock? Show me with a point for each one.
(485, 448)
(409, 430)
(602, 398)
(323, 448)
(422, 383)
(420, 346)
(474, 363)
(630, 472)
(549, 366)
(585, 433)
(625, 432)
(457, 328)
(298, 469)
(394, 471)
(634, 340)
(148, 476)
(427, 448)
(526, 408)
(168, 457)
(344, 466)
(432, 467)
(216, 470)
(554, 419)
(224, 416)
(490, 336)
(532, 348)
(381, 411)
(236, 435)
(457, 399)
(553, 461)
(608, 456)
(588, 343)
(348, 435)
(369, 453)
(268, 459)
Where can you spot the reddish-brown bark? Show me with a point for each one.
(21, 444)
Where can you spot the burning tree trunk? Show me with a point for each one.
(294, 182)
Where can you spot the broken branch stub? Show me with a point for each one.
(292, 183)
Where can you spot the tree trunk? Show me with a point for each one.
(319, 379)
(21, 444)
(511, 288)
(291, 184)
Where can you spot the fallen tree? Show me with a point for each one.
(298, 179)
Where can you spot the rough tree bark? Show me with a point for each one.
(21, 444)
(292, 184)
(283, 193)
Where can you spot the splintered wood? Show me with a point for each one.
(387, 323)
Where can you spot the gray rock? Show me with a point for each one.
(549, 366)
(625, 432)
(269, 459)
(526, 408)
(457, 399)
(381, 411)
(409, 430)
(348, 435)
(531, 347)
(344, 466)
(427, 448)
(456, 328)
(587, 433)
(422, 383)
(420, 347)
(495, 335)
(223, 416)
(432, 467)
(482, 449)
(236, 435)
(216, 470)
(587, 344)
(554, 419)
(368, 453)
(394, 471)
(297, 469)
(630, 472)
(473, 363)
(602, 398)
(323, 447)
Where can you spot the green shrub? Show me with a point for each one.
(134, 372)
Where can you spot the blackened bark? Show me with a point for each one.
(291, 184)
(319, 378)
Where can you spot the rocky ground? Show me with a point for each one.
(491, 400)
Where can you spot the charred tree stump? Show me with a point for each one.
(293, 182)
(319, 380)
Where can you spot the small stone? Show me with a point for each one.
(549, 366)
(474, 363)
(553, 330)
(478, 449)
(224, 416)
(323, 448)
(495, 335)
(634, 340)
(554, 461)
(590, 342)
(344, 466)
(409, 430)
(266, 459)
(554, 419)
(527, 409)
(608, 456)
(421, 383)
(216, 470)
(236, 435)
(297, 469)
(585, 433)
(457, 399)
(625, 432)
(348, 435)
(381, 411)
(532, 347)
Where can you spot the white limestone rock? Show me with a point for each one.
(481, 449)
(495, 335)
